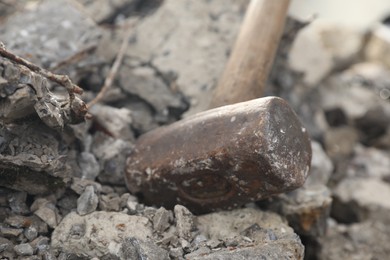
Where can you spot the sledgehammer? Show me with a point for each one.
(230, 155)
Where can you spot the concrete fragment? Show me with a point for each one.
(318, 49)
(144, 83)
(369, 162)
(39, 40)
(165, 38)
(340, 141)
(184, 222)
(112, 155)
(87, 202)
(162, 219)
(110, 202)
(115, 121)
(256, 233)
(321, 166)
(49, 214)
(357, 199)
(359, 241)
(30, 233)
(17, 202)
(24, 249)
(79, 185)
(133, 248)
(99, 233)
(33, 162)
(378, 46)
(89, 166)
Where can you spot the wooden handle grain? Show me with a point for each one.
(246, 72)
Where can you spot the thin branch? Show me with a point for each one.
(63, 80)
(115, 66)
(74, 58)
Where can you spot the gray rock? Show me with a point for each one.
(369, 162)
(112, 155)
(359, 241)
(87, 202)
(79, 185)
(49, 214)
(17, 202)
(110, 202)
(266, 233)
(30, 233)
(340, 141)
(5, 245)
(36, 165)
(10, 232)
(115, 121)
(24, 249)
(321, 47)
(39, 40)
(321, 166)
(134, 248)
(89, 166)
(378, 45)
(357, 199)
(197, 70)
(99, 233)
(176, 253)
(103, 11)
(162, 219)
(184, 222)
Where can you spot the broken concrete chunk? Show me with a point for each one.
(184, 222)
(33, 161)
(378, 45)
(319, 48)
(359, 241)
(87, 202)
(116, 122)
(112, 155)
(256, 233)
(58, 34)
(162, 219)
(99, 233)
(134, 248)
(165, 38)
(143, 82)
(357, 199)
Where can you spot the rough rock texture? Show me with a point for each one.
(253, 234)
(190, 65)
(360, 241)
(61, 32)
(358, 199)
(99, 233)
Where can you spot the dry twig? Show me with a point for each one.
(63, 80)
(115, 66)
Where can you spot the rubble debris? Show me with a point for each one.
(87, 202)
(39, 40)
(99, 233)
(378, 45)
(365, 240)
(269, 235)
(370, 202)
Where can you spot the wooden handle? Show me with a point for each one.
(246, 72)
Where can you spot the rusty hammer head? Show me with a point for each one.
(222, 158)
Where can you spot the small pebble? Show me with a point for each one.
(87, 202)
(31, 233)
(24, 249)
(17, 203)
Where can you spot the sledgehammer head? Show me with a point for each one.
(222, 158)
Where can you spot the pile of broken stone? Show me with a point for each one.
(62, 192)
